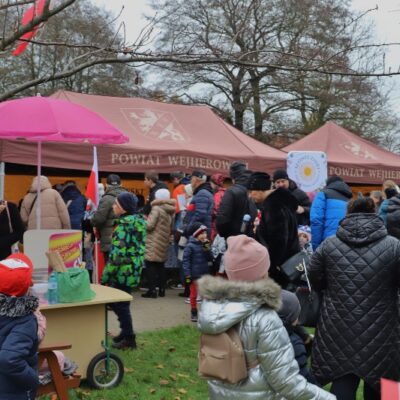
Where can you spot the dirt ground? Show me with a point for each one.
(152, 314)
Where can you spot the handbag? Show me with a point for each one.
(74, 286)
(310, 302)
(295, 266)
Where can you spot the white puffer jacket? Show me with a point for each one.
(251, 306)
(54, 212)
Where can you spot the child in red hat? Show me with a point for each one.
(18, 330)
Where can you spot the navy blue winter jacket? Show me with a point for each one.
(202, 203)
(196, 259)
(18, 348)
(327, 209)
(76, 203)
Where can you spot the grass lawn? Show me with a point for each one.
(164, 367)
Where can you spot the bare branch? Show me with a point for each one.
(16, 4)
(47, 13)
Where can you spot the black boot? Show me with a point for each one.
(161, 292)
(186, 292)
(127, 343)
(118, 338)
(150, 294)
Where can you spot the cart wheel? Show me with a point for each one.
(101, 377)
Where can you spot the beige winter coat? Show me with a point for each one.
(54, 212)
(159, 228)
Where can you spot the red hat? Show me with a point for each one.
(218, 179)
(15, 275)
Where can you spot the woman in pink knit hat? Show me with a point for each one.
(248, 301)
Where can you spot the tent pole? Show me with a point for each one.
(2, 170)
(39, 173)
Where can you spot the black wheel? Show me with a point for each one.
(103, 376)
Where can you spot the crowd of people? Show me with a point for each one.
(230, 242)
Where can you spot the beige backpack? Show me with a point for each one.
(222, 357)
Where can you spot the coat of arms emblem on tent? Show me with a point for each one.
(159, 125)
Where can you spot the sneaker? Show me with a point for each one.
(161, 293)
(187, 301)
(179, 286)
(199, 300)
(193, 315)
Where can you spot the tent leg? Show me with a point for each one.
(39, 173)
(2, 174)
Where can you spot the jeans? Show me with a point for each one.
(155, 271)
(345, 388)
(123, 312)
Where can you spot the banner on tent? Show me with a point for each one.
(308, 169)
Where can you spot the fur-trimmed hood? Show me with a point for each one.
(11, 306)
(264, 291)
(225, 303)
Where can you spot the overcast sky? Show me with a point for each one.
(386, 19)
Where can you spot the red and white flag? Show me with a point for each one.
(31, 13)
(390, 390)
(92, 189)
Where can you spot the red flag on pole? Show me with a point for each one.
(390, 390)
(92, 190)
(31, 13)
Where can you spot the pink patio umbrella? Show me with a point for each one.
(46, 119)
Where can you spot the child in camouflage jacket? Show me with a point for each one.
(125, 262)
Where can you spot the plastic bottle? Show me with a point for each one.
(245, 223)
(52, 291)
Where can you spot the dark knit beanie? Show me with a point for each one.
(332, 179)
(113, 180)
(290, 309)
(280, 174)
(194, 227)
(259, 181)
(128, 201)
(390, 192)
(200, 173)
(236, 169)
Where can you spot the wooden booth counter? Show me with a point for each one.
(82, 324)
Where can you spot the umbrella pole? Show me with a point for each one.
(39, 173)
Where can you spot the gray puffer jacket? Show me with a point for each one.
(103, 218)
(252, 307)
(358, 331)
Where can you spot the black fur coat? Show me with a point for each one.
(278, 229)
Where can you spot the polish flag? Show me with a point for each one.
(30, 14)
(92, 189)
(390, 390)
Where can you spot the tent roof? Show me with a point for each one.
(350, 156)
(177, 129)
(165, 137)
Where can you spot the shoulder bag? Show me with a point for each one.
(310, 302)
(293, 268)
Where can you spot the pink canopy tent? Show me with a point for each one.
(41, 119)
(165, 137)
(353, 158)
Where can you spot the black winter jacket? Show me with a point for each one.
(8, 238)
(303, 200)
(278, 230)
(358, 333)
(234, 205)
(393, 216)
(152, 196)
